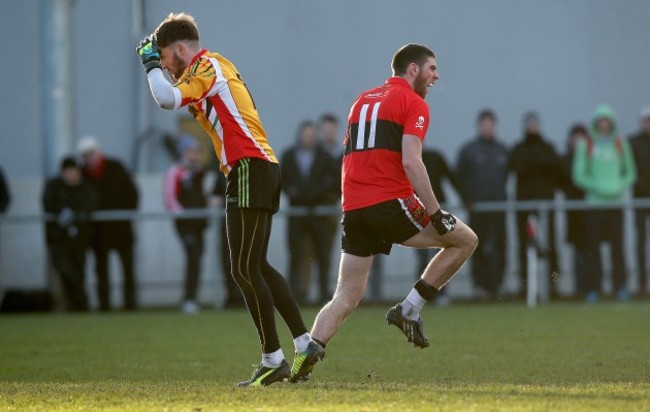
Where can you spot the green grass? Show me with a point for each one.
(481, 358)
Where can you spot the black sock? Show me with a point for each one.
(322, 345)
(425, 290)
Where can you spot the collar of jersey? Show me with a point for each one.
(198, 56)
(399, 81)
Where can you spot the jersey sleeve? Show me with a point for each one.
(416, 120)
(198, 83)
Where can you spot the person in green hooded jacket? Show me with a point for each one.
(603, 166)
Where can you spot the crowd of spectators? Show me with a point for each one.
(598, 165)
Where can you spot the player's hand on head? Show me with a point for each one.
(443, 222)
(149, 53)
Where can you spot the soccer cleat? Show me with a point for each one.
(263, 376)
(304, 362)
(413, 329)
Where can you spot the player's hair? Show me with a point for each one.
(176, 27)
(410, 53)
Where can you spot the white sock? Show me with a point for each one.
(272, 360)
(302, 341)
(412, 305)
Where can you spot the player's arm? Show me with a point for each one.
(164, 93)
(417, 172)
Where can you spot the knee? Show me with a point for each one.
(345, 303)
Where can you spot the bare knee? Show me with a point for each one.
(345, 303)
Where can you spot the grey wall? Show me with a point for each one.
(301, 58)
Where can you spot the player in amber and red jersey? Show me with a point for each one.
(213, 91)
(387, 198)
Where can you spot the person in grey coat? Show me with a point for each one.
(482, 172)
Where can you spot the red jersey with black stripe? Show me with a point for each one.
(218, 98)
(372, 165)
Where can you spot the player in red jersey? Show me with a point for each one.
(212, 89)
(382, 172)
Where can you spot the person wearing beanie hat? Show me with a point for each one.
(537, 168)
(183, 190)
(70, 199)
(117, 191)
(604, 167)
(640, 143)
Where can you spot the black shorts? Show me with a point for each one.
(374, 229)
(253, 184)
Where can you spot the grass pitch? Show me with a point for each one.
(482, 358)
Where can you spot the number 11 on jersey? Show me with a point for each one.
(361, 132)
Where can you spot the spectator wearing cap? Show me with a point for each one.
(183, 190)
(603, 166)
(482, 172)
(117, 191)
(538, 171)
(70, 200)
(640, 143)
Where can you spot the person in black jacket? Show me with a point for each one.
(575, 218)
(640, 143)
(482, 172)
(70, 199)
(116, 191)
(538, 169)
(308, 180)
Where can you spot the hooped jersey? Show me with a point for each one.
(372, 165)
(218, 98)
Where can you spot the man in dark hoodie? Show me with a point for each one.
(640, 143)
(482, 173)
(538, 168)
(603, 166)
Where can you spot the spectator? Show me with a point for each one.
(70, 199)
(482, 173)
(234, 298)
(183, 190)
(329, 133)
(5, 196)
(308, 180)
(575, 218)
(116, 191)
(640, 143)
(328, 126)
(538, 168)
(437, 169)
(604, 168)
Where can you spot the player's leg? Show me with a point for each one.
(307, 351)
(455, 248)
(246, 236)
(350, 287)
(412, 228)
